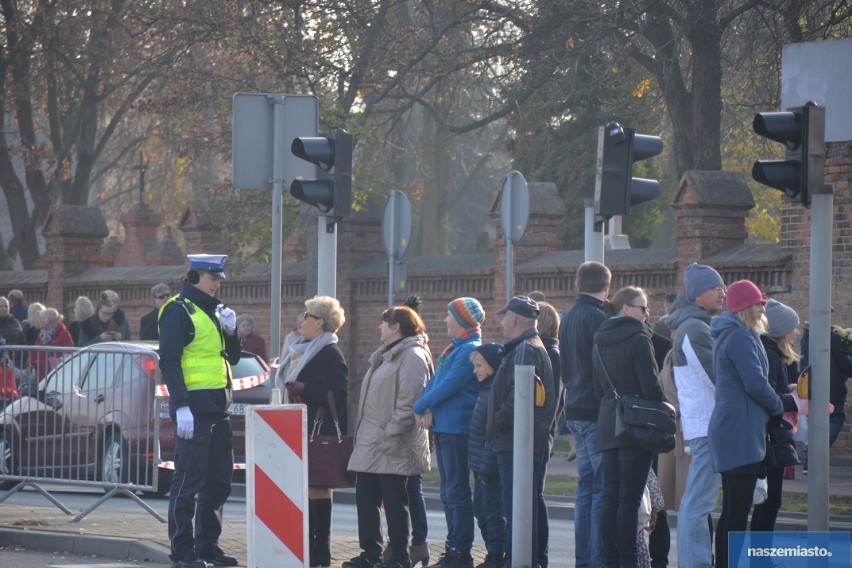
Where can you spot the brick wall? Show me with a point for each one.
(710, 208)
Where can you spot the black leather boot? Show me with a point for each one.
(320, 522)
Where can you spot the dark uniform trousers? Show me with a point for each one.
(204, 466)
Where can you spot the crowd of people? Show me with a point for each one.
(725, 357)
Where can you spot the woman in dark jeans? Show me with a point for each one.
(624, 344)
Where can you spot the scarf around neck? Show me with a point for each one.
(298, 355)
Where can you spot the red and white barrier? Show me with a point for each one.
(277, 486)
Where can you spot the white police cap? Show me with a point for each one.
(212, 263)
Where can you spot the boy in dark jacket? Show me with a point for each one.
(482, 461)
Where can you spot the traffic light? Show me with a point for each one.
(802, 131)
(332, 194)
(615, 187)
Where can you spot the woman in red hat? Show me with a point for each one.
(744, 403)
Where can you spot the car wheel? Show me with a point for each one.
(7, 459)
(114, 466)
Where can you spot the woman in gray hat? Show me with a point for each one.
(782, 331)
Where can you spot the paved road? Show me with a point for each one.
(119, 509)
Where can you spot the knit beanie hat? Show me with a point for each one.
(492, 353)
(467, 312)
(782, 319)
(743, 294)
(698, 278)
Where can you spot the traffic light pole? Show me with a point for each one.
(594, 235)
(822, 206)
(279, 146)
(327, 256)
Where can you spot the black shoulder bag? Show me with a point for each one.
(648, 424)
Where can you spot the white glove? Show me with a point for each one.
(185, 423)
(227, 317)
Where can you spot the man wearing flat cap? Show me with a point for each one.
(523, 347)
(198, 345)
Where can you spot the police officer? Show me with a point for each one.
(198, 345)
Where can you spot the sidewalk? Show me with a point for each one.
(133, 534)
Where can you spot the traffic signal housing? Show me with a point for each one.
(331, 194)
(802, 131)
(616, 190)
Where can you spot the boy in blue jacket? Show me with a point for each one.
(487, 503)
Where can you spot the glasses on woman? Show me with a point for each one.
(309, 315)
(645, 309)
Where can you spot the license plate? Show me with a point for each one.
(237, 409)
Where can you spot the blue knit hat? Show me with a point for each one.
(492, 353)
(467, 312)
(698, 278)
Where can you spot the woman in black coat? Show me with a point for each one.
(781, 331)
(624, 345)
(311, 368)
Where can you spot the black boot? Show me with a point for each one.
(320, 522)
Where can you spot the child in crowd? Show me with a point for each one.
(487, 504)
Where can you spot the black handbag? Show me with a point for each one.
(328, 455)
(648, 424)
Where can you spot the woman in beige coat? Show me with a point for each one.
(389, 446)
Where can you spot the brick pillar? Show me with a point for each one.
(200, 236)
(168, 252)
(140, 236)
(74, 235)
(710, 212)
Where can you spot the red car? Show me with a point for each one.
(103, 415)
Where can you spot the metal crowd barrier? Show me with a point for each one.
(83, 417)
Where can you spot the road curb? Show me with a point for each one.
(107, 546)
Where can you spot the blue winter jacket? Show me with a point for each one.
(452, 391)
(481, 458)
(744, 398)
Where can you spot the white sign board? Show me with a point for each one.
(252, 138)
(819, 71)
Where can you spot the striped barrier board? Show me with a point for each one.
(238, 384)
(277, 486)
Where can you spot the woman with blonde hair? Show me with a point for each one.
(745, 402)
(309, 370)
(83, 310)
(32, 324)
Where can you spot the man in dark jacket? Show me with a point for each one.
(148, 328)
(840, 369)
(523, 347)
(198, 345)
(576, 338)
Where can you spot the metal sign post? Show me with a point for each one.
(522, 467)
(263, 126)
(396, 236)
(819, 345)
(514, 214)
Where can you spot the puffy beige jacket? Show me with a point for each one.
(387, 439)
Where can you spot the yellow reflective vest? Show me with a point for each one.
(203, 362)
